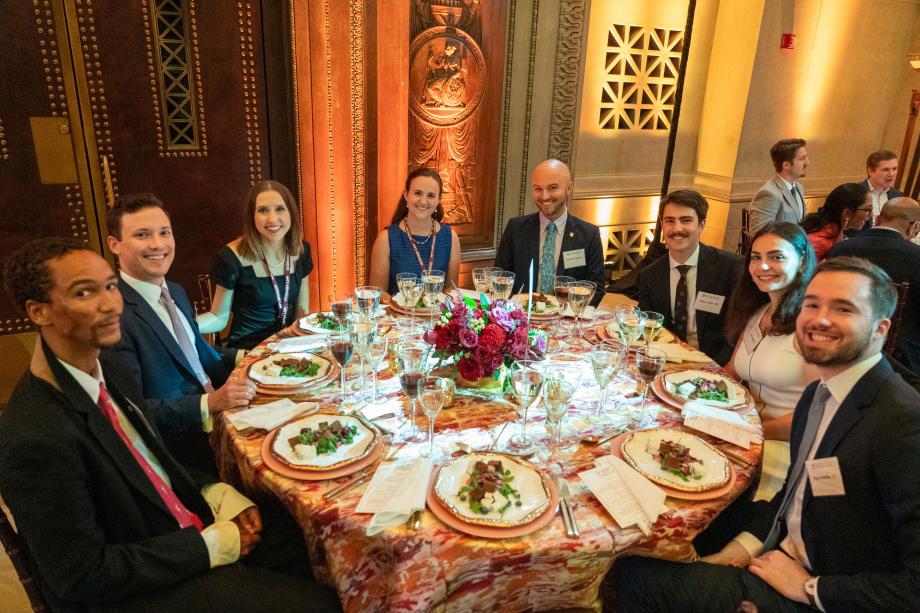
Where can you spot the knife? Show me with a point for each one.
(354, 482)
(557, 481)
(566, 498)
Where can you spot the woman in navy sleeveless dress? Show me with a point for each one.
(261, 276)
(417, 220)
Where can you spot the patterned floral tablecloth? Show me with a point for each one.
(437, 568)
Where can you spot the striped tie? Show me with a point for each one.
(185, 343)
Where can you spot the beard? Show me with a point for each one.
(847, 353)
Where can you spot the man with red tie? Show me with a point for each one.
(111, 521)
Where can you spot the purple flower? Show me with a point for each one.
(539, 343)
(501, 317)
(468, 339)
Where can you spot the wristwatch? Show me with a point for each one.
(811, 591)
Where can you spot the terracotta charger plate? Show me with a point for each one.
(664, 336)
(309, 475)
(707, 495)
(458, 524)
(668, 398)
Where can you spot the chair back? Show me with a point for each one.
(895, 330)
(16, 551)
(206, 294)
(745, 239)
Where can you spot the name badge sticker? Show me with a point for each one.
(574, 258)
(824, 477)
(711, 303)
(752, 337)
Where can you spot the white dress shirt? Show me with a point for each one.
(691, 293)
(793, 191)
(152, 295)
(560, 228)
(879, 198)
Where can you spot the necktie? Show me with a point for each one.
(680, 303)
(179, 511)
(185, 343)
(799, 203)
(548, 260)
(815, 413)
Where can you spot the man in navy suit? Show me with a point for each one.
(555, 241)
(691, 284)
(183, 378)
(888, 245)
(881, 172)
(844, 532)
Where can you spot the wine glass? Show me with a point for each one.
(376, 350)
(561, 290)
(605, 364)
(341, 344)
(481, 280)
(526, 382)
(632, 324)
(556, 396)
(653, 323)
(502, 284)
(491, 271)
(410, 288)
(432, 286)
(363, 332)
(432, 393)
(413, 361)
(649, 364)
(341, 307)
(367, 298)
(579, 295)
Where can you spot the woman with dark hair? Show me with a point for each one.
(260, 276)
(416, 240)
(761, 324)
(847, 207)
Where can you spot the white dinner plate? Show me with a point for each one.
(736, 394)
(262, 371)
(640, 448)
(361, 445)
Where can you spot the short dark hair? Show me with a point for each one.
(130, 203)
(402, 207)
(882, 155)
(845, 197)
(883, 295)
(688, 198)
(26, 275)
(784, 151)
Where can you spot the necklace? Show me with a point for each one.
(418, 256)
(281, 304)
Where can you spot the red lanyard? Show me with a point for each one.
(418, 256)
(282, 305)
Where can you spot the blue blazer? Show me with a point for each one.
(150, 355)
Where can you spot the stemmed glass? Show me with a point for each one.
(363, 333)
(561, 290)
(433, 285)
(502, 284)
(649, 364)
(579, 295)
(653, 323)
(341, 307)
(432, 393)
(410, 287)
(367, 297)
(632, 324)
(481, 280)
(605, 363)
(527, 383)
(413, 361)
(341, 344)
(376, 351)
(491, 271)
(556, 396)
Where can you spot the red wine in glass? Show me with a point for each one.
(342, 351)
(409, 381)
(648, 370)
(341, 309)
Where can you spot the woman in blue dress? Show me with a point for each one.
(416, 240)
(261, 276)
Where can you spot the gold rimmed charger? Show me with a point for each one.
(364, 444)
(639, 449)
(397, 305)
(664, 386)
(282, 386)
(664, 335)
(553, 311)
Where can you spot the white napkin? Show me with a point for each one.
(721, 423)
(269, 416)
(395, 492)
(630, 498)
(678, 353)
(298, 343)
(590, 313)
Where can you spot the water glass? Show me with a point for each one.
(605, 364)
(410, 288)
(432, 394)
(527, 383)
(367, 299)
(502, 284)
(433, 286)
(556, 396)
(481, 280)
(491, 272)
(377, 349)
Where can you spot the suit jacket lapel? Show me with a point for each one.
(569, 242)
(145, 313)
(787, 197)
(706, 274)
(532, 231)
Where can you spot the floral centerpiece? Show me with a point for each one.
(484, 338)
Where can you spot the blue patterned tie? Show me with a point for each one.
(548, 260)
(185, 343)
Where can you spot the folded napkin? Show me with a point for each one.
(395, 492)
(630, 498)
(298, 343)
(269, 416)
(678, 353)
(721, 423)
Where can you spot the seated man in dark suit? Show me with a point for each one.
(111, 521)
(888, 245)
(557, 242)
(881, 172)
(182, 377)
(844, 532)
(691, 284)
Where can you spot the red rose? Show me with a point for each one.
(470, 368)
(492, 338)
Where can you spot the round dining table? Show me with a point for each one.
(433, 567)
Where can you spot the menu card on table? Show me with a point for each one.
(630, 498)
(271, 415)
(726, 425)
(396, 490)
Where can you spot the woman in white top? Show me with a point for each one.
(761, 323)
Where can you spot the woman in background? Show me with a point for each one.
(261, 276)
(416, 240)
(847, 207)
(761, 323)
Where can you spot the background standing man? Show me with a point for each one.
(782, 198)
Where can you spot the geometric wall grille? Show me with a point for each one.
(176, 78)
(625, 246)
(640, 78)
